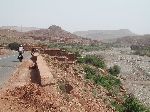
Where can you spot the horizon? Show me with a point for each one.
(77, 30)
(78, 15)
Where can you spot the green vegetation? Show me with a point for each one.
(77, 54)
(92, 60)
(118, 107)
(77, 47)
(90, 73)
(115, 70)
(13, 46)
(130, 104)
(141, 50)
(111, 83)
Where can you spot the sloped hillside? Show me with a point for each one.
(134, 40)
(56, 34)
(8, 36)
(104, 34)
(52, 34)
(67, 91)
(10, 33)
(19, 28)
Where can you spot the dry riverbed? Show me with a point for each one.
(135, 71)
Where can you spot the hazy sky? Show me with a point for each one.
(74, 15)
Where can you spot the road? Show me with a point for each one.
(8, 65)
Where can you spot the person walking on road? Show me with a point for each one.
(21, 51)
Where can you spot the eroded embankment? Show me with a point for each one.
(36, 87)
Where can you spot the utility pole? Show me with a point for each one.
(21, 28)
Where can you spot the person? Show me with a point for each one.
(21, 51)
(32, 51)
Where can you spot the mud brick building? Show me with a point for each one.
(61, 55)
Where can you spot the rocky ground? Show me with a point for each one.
(68, 92)
(135, 71)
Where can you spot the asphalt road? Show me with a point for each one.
(8, 65)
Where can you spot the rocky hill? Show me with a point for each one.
(56, 34)
(134, 40)
(10, 33)
(19, 28)
(104, 34)
(8, 36)
(52, 34)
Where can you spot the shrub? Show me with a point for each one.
(77, 54)
(93, 60)
(134, 47)
(118, 107)
(81, 60)
(109, 82)
(141, 50)
(133, 105)
(90, 72)
(14, 46)
(115, 70)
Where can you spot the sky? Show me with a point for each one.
(76, 15)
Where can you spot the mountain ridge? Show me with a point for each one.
(20, 28)
(142, 40)
(52, 34)
(104, 34)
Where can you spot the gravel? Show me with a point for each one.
(135, 71)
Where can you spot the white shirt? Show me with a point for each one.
(21, 49)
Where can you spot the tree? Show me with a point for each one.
(14, 46)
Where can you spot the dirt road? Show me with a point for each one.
(8, 64)
(24, 81)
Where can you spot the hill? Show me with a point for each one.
(104, 34)
(8, 36)
(19, 28)
(56, 34)
(52, 34)
(143, 40)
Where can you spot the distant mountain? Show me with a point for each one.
(143, 40)
(9, 36)
(56, 34)
(104, 34)
(52, 34)
(19, 29)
